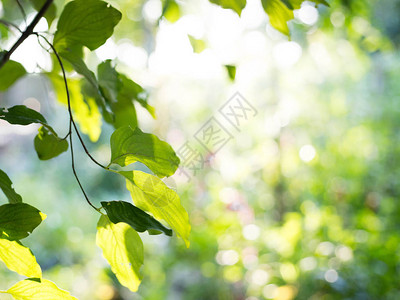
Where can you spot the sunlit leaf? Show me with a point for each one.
(235, 5)
(18, 220)
(121, 211)
(171, 11)
(86, 22)
(51, 12)
(47, 145)
(231, 72)
(85, 110)
(279, 14)
(19, 258)
(30, 289)
(197, 44)
(123, 249)
(129, 145)
(6, 187)
(10, 73)
(151, 194)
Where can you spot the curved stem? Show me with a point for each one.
(71, 123)
(9, 24)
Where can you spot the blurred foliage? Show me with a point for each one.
(302, 204)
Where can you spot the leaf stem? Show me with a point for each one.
(71, 123)
(26, 33)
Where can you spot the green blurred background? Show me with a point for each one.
(300, 204)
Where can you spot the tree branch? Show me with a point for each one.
(26, 33)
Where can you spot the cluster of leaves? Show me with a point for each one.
(89, 24)
(278, 11)
(90, 98)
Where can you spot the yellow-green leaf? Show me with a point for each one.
(19, 258)
(85, 110)
(153, 195)
(279, 14)
(123, 249)
(47, 145)
(235, 5)
(129, 145)
(33, 290)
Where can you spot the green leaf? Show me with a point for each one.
(86, 111)
(151, 194)
(10, 73)
(231, 72)
(197, 45)
(278, 14)
(123, 249)
(171, 11)
(79, 66)
(30, 289)
(86, 22)
(22, 115)
(47, 145)
(235, 5)
(129, 145)
(6, 187)
(19, 258)
(18, 220)
(121, 211)
(51, 12)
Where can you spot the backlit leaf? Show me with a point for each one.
(29, 289)
(18, 220)
(279, 14)
(6, 187)
(123, 249)
(153, 195)
(10, 73)
(231, 72)
(235, 5)
(19, 258)
(86, 113)
(48, 145)
(86, 22)
(121, 211)
(129, 145)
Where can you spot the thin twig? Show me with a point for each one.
(26, 33)
(9, 24)
(71, 121)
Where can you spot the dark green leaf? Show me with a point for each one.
(18, 220)
(123, 249)
(235, 5)
(22, 115)
(129, 145)
(86, 22)
(6, 187)
(51, 12)
(47, 145)
(10, 73)
(121, 211)
(231, 71)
